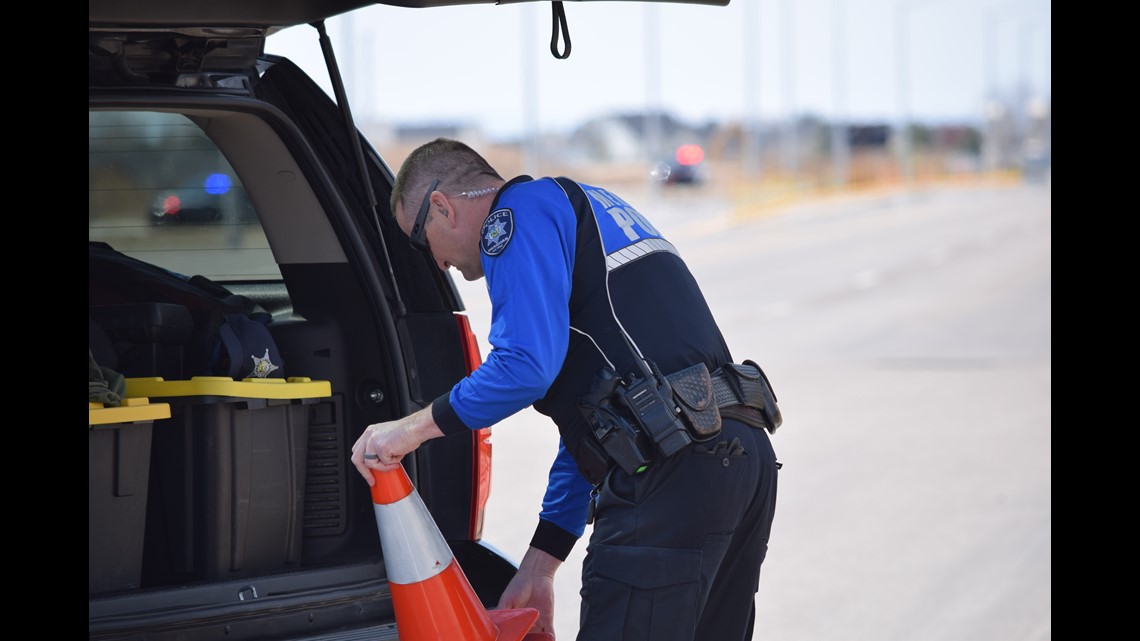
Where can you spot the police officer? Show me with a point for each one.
(592, 310)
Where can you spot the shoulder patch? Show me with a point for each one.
(498, 229)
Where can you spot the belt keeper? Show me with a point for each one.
(726, 389)
(734, 385)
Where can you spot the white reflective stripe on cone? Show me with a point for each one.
(414, 548)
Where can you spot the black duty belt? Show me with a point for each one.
(620, 423)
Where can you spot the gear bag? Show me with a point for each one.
(165, 324)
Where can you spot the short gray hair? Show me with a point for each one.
(454, 163)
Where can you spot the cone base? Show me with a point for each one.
(513, 625)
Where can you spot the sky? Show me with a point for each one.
(863, 61)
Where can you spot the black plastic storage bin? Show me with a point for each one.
(227, 483)
(118, 467)
(149, 339)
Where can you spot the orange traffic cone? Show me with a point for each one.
(431, 595)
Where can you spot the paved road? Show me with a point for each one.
(908, 336)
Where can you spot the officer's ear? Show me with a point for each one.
(448, 210)
(442, 206)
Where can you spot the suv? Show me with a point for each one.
(235, 513)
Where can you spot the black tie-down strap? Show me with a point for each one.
(558, 19)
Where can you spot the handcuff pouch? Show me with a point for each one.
(693, 393)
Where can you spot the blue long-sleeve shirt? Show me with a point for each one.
(578, 280)
(528, 260)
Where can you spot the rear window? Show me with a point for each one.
(159, 190)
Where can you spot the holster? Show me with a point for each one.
(610, 437)
(591, 459)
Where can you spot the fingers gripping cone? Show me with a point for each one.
(432, 598)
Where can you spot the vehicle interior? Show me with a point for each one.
(249, 514)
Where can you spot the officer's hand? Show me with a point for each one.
(533, 587)
(383, 445)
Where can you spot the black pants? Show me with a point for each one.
(676, 551)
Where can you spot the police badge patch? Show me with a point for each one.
(262, 366)
(498, 228)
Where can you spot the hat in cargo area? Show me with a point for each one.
(246, 349)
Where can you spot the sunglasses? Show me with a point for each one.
(418, 236)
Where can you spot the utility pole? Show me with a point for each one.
(750, 129)
(788, 39)
(991, 104)
(529, 146)
(653, 133)
(840, 150)
(902, 88)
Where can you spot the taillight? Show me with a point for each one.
(481, 450)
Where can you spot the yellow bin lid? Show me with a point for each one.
(131, 410)
(274, 388)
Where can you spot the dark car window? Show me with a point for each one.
(157, 183)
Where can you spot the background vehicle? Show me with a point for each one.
(686, 167)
